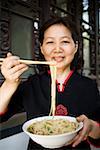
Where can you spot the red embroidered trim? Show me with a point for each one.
(49, 72)
(66, 80)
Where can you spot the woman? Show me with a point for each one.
(76, 95)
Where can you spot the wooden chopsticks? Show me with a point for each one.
(31, 62)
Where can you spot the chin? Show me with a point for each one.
(60, 66)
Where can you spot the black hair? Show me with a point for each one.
(58, 20)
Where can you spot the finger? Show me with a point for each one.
(14, 72)
(85, 138)
(83, 134)
(17, 74)
(87, 124)
(80, 137)
(10, 62)
(68, 143)
(18, 68)
(75, 139)
(7, 66)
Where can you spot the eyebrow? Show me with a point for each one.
(61, 37)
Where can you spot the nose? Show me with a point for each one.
(57, 49)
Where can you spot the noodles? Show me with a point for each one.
(53, 90)
(52, 127)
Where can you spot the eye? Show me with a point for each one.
(49, 42)
(65, 41)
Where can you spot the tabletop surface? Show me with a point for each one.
(15, 142)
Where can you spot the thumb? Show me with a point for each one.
(81, 118)
(9, 54)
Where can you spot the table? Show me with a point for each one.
(15, 142)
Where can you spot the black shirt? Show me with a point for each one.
(79, 96)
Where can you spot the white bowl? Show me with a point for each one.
(52, 141)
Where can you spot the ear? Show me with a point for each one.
(41, 50)
(76, 46)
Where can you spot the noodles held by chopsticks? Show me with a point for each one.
(53, 79)
(53, 70)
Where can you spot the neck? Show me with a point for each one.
(62, 74)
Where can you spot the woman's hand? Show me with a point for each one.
(90, 128)
(11, 68)
(83, 134)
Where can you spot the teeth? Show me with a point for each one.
(58, 59)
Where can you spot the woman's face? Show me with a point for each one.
(58, 46)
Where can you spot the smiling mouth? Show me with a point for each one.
(58, 59)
